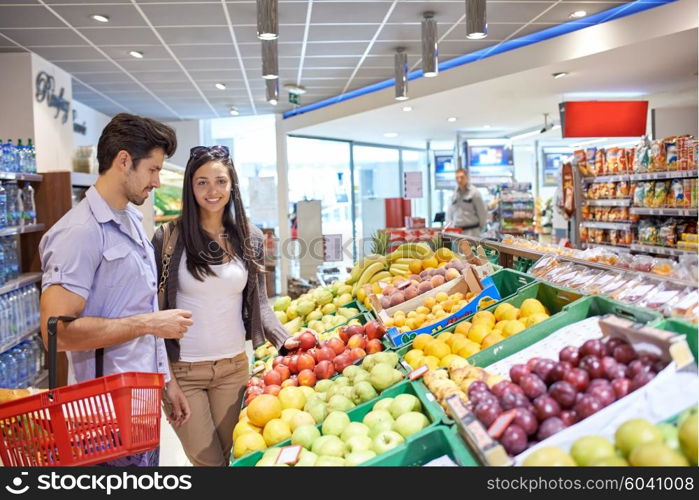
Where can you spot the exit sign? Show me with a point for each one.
(293, 98)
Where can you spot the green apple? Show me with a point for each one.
(589, 449)
(319, 412)
(383, 404)
(301, 418)
(340, 403)
(335, 423)
(354, 429)
(382, 376)
(359, 443)
(634, 432)
(380, 427)
(330, 446)
(387, 440)
(351, 371)
(409, 423)
(306, 459)
(323, 385)
(670, 435)
(375, 417)
(362, 392)
(404, 403)
(359, 457)
(305, 435)
(330, 461)
(342, 381)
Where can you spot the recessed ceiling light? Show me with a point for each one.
(233, 111)
(136, 54)
(100, 17)
(220, 86)
(476, 36)
(407, 108)
(486, 126)
(451, 119)
(390, 134)
(578, 14)
(559, 75)
(273, 102)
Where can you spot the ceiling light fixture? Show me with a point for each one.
(233, 111)
(272, 91)
(578, 14)
(267, 20)
(270, 60)
(430, 51)
(292, 88)
(560, 75)
(476, 23)
(136, 54)
(390, 134)
(524, 135)
(407, 108)
(220, 86)
(401, 74)
(486, 126)
(100, 18)
(451, 119)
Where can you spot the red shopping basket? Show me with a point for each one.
(82, 424)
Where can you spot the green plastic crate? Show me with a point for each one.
(430, 408)
(435, 443)
(690, 330)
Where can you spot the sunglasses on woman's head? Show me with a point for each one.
(215, 150)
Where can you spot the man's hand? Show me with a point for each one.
(180, 406)
(168, 324)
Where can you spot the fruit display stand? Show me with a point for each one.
(690, 330)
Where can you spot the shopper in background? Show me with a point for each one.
(98, 265)
(467, 209)
(216, 270)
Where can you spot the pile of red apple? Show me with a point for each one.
(308, 361)
(546, 396)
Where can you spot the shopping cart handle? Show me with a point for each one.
(53, 346)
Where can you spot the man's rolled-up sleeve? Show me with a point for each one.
(70, 257)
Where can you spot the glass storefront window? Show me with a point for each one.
(416, 161)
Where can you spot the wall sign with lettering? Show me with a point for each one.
(45, 86)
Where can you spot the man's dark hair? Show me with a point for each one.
(461, 170)
(135, 134)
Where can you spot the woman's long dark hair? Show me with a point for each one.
(201, 250)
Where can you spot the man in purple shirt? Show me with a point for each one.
(98, 265)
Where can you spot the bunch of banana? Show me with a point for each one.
(399, 270)
(368, 273)
(363, 264)
(410, 251)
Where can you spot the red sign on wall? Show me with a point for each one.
(603, 118)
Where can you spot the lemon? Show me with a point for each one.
(414, 358)
(491, 339)
(511, 314)
(513, 327)
(448, 359)
(500, 325)
(399, 321)
(536, 318)
(422, 310)
(478, 332)
(470, 349)
(484, 317)
(501, 309)
(441, 297)
(429, 302)
(463, 327)
(444, 337)
(459, 343)
(432, 362)
(444, 254)
(412, 314)
(411, 323)
(454, 337)
(243, 428)
(421, 341)
(438, 349)
(531, 307)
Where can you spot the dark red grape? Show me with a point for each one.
(531, 363)
(487, 413)
(624, 354)
(477, 386)
(595, 382)
(621, 386)
(569, 417)
(549, 427)
(592, 365)
(564, 393)
(543, 367)
(526, 420)
(593, 347)
(648, 359)
(588, 405)
(570, 354)
(608, 364)
(514, 399)
(532, 386)
(518, 371)
(546, 407)
(514, 440)
(603, 392)
(559, 371)
(641, 379)
(611, 343)
(636, 367)
(577, 378)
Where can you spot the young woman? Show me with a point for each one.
(216, 272)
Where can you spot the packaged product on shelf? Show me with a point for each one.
(600, 163)
(583, 234)
(585, 211)
(638, 292)
(581, 162)
(627, 237)
(660, 192)
(694, 193)
(670, 146)
(610, 190)
(664, 267)
(676, 197)
(643, 263)
(612, 161)
(657, 157)
(694, 238)
(687, 193)
(688, 245)
(641, 159)
(661, 295)
(625, 259)
(622, 190)
(622, 160)
(600, 236)
(629, 282)
(614, 236)
(684, 306)
(599, 283)
(667, 233)
(584, 277)
(648, 194)
(639, 193)
(544, 265)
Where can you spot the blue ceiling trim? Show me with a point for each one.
(555, 31)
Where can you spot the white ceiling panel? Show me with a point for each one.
(349, 12)
(44, 37)
(559, 13)
(185, 14)
(26, 16)
(86, 53)
(184, 36)
(79, 16)
(348, 32)
(114, 36)
(121, 52)
(143, 65)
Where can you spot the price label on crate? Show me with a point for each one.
(418, 372)
(289, 455)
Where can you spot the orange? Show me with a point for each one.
(415, 266)
(264, 408)
(437, 349)
(422, 340)
(430, 262)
